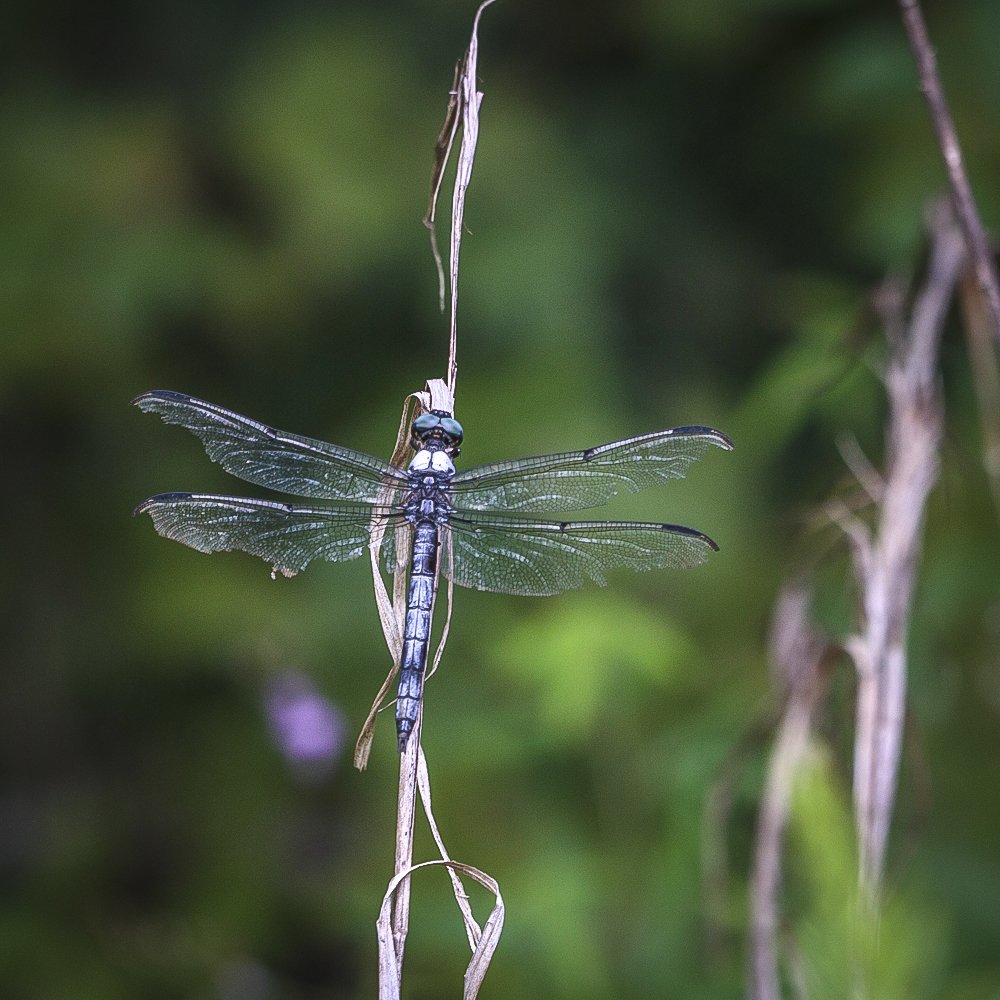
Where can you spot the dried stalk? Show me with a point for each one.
(796, 655)
(435, 397)
(462, 113)
(885, 560)
(969, 219)
(393, 923)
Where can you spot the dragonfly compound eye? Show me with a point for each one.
(426, 425)
(438, 426)
(452, 429)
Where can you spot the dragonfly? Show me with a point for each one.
(481, 526)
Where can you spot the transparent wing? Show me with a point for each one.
(574, 480)
(288, 536)
(284, 462)
(512, 555)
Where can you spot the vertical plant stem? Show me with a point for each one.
(796, 655)
(405, 819)
(965, 203)
(885, 564)
(463, 114)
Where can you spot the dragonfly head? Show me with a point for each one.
(437, 431)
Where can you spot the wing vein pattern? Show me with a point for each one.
(576, 480)
(514, 555)
(288, 536)
(287, 463)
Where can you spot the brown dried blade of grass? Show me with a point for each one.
(392, 610)
(392, 614)
(463, 112)
(482, 950)
(413, 774)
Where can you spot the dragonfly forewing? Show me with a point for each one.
(287, 463)
(577, 480)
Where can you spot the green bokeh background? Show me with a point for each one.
(678, 214)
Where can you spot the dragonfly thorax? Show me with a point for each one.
(430, 473)
(432, 460)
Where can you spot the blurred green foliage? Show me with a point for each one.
(677, 214)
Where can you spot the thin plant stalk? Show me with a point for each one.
(886, 558)
(393, 924)
(969, 219)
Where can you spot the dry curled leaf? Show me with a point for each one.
(486, 937)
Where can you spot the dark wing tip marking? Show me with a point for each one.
(713, 435)
(159, 498)
(170, 394)
(717, 437)
(147, 401)
(680, 529)
(673, 529)
(213, 498)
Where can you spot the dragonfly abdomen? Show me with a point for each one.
(417, 631)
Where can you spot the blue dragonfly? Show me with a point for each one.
(483, 522)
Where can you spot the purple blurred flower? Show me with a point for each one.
(308, 729)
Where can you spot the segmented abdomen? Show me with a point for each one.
(417, 632)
